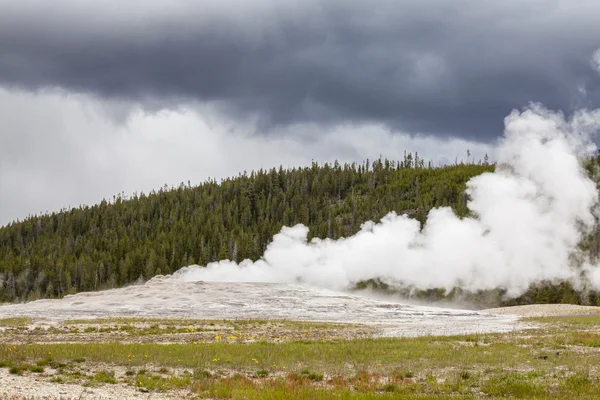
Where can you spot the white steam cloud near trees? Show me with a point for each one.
(528, 218)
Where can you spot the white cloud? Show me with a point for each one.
(59, 149)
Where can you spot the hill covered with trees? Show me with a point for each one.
(121, 241)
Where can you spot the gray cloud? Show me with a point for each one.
(437, 67)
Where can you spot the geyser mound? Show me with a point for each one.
(170, 297)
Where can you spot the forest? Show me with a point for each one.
(129, 239)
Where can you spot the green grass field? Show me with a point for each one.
(559, 359)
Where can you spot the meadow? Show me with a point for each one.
(558, 357)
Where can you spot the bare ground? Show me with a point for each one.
(165, 297)
(40, 387)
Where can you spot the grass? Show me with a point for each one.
(558, 360)
(313, 376)
(21, 368)
(261, 373)
(102, 377)
(14, 322)
(572, 321)
(181, 330)
(16, 370)
(379, 355)
(162, 384)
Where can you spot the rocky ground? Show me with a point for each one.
(28, 387)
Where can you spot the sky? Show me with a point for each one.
(104, 96)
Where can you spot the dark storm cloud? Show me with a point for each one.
(435, 67)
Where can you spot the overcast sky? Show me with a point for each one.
(99, 97)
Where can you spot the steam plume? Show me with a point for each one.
(528, 218)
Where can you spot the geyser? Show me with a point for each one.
(527, 219)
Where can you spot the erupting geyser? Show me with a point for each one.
(528, 218)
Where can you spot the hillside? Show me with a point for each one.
(120, 241)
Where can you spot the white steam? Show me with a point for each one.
(528, 218)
